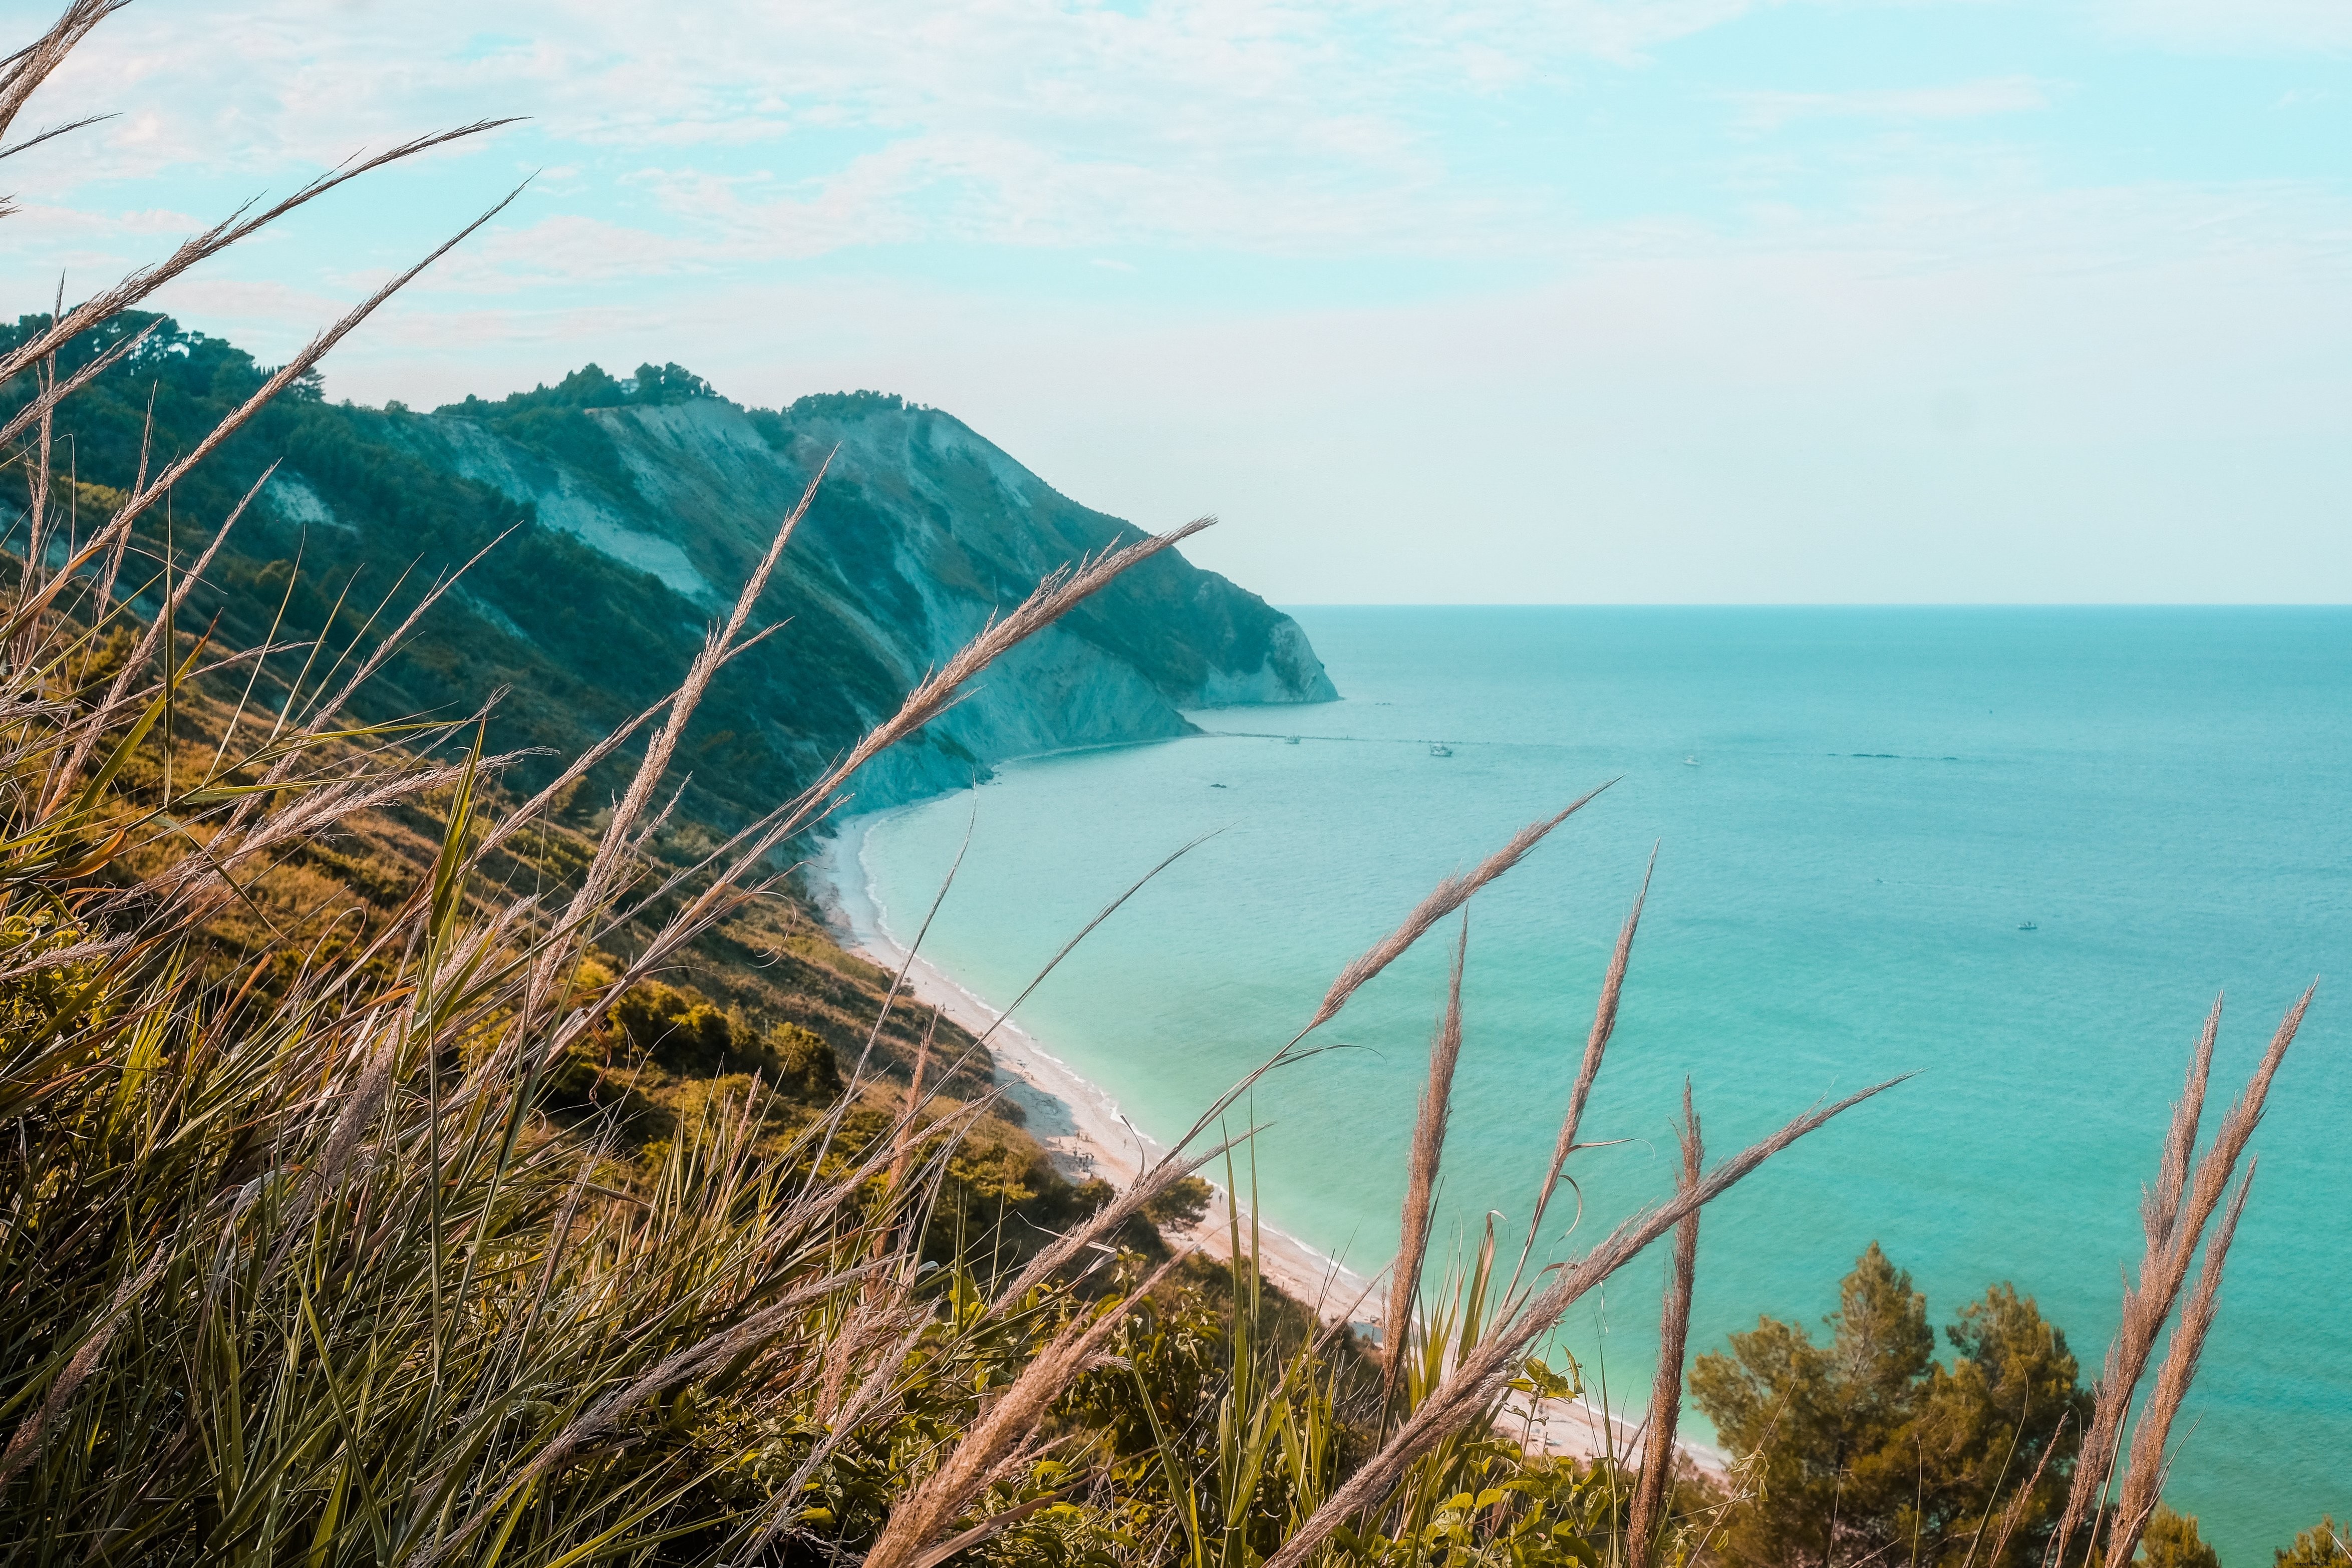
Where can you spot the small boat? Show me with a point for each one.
(2028, 925)
(1438, 749)
(1289, 740)
(1690, 761)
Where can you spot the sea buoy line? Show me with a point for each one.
(1525, 745)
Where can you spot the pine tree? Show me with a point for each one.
(1867, 1447)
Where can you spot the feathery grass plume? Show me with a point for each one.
(1442, 900)
(53, 391)
(118, 527)
(52, 133)
(1647, 1516)
(902, 1142)
(1472, 1390)
(1596, 1046)
(30, 66)
(883, 1388)
(655, 765)
(2145, 1469)
(902, 1151)
(2022, 1502)
(918, 1519)
(25, 1443)
(739, 882)
(238, 226)
(1450, 894)
(1420, 1171)
(2176, 1225)
(2160, 1206)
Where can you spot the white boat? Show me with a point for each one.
(1690, 761)
(1438, 749)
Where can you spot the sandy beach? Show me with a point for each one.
(1086, 1134)
(1082, 1127)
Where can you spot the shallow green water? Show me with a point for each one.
(1877, 801)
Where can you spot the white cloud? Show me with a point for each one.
(1961, 101)
(566, 249)
(1023, 117)
(2236, 27)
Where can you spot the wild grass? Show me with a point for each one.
(308, 1256)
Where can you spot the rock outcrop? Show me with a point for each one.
(922, 531)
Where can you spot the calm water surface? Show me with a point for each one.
(1857, 811)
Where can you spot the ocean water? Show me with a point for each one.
(1855, 812)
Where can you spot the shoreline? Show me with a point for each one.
(1081, 1126)
(1084, 1134)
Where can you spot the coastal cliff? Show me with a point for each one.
(619, 518)
(921, 530)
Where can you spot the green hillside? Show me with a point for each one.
(632, 510)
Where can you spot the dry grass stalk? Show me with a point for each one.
(1444, 899)
(2161, 1209)
(739, 882)
(2144, 1472)
(118, 527)
(596, 883)
(1648, 1513)
(903, 1142)
(138, 285)
(54, 392)
(141, 655)
(1476, 1387)
(1051, 1260)
(902, 1137)
(2176, 1214)
(1449, 895)
(921, 1517)
(1596, 1046)
(871, 1395)
(2022, 1503)
(31, 66)
(1427, 1149)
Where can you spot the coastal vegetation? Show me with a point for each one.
(433, 1134)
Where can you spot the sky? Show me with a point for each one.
(1578, 301)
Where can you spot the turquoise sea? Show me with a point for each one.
(1858, 812)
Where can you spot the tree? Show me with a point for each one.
(1867, 1447)
(1985, 1423)
(1819, 1419)
(2172, 1542)
(2321, 1546)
